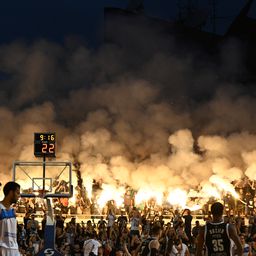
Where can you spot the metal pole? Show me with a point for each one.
(179, 10)
(44, 174)
(214, 16)
(14, 171)
(213, 4)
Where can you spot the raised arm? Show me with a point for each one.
(126, 250)
(187, 253)
(200, 242)
(233, 235)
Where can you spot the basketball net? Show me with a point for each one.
(42, 193)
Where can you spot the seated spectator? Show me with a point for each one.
(180, 249)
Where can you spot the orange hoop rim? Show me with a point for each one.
(41, 192)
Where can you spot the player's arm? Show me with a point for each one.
(138, 248)
(154, 246)
(126, 250)
(184, 236)
(187, 253)
(85, 243)
(200, 242)
(250, 251)
(132, 241)
(233, 235)
(162, 239)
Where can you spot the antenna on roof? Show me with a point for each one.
(213, 5)
(190, 15)
(135, 5)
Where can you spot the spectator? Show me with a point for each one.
(180, 249)
(36, 242)
(66, 250)
(22, 233)
(26, 219)
(60, 237)
(30, 250)
(111, 220)
(167, 240)
(43, 223)
(195, 231)
(177, 220)
(246, 247)
(135, 223)
(91, 246)
(60, 222)
(102, 224)
(181, 234)
(188, 219)
(253, 228)
(122, 221)
(253, 246)
(33, 225)
(70, 234)
(76, 250)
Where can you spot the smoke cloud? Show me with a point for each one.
(142, 125)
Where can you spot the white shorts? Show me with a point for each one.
(9, 252)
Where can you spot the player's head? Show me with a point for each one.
(12, 191)
(217, 209)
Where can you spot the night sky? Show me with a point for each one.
(55, 20)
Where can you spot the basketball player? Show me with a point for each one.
(8, 223)
(217, 235)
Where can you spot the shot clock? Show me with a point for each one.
(44, 144)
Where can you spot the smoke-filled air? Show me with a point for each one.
(172, 126)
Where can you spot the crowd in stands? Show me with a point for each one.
(121, 233)
(125, 234)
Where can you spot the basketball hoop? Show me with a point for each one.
(49, 184)
(41, 193)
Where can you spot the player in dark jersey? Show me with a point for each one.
(216, 235)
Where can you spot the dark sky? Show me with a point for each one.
(54, 20)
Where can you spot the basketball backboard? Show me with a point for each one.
(57, 181)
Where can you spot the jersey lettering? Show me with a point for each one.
(217, 239)
(218, 245)
(49, 252)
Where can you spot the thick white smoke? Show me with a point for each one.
(124, 125)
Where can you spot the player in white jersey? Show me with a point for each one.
(8, 223)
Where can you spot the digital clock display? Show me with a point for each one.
(44, 144)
